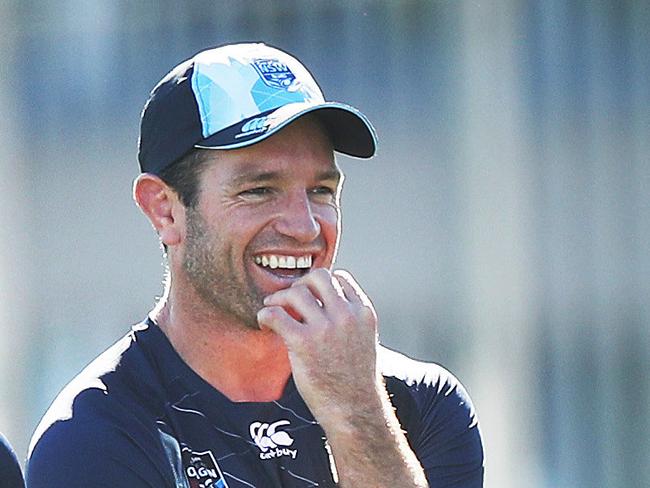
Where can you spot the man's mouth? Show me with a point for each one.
(285, 265)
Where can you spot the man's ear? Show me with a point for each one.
(162, 207)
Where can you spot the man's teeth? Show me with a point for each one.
(285, 262)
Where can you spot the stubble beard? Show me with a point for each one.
(209, 270)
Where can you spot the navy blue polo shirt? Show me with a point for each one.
(139, 416)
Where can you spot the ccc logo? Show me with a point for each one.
(267, 436)
(255, 125)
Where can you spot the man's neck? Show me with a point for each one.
(244, 364)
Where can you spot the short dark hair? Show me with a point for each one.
(184, 176)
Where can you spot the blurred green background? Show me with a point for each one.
(502, 230)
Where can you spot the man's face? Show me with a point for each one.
(267, 214)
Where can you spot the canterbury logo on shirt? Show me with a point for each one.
(271, 441)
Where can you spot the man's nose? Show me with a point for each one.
(297, 219)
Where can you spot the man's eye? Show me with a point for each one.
(323, 190)
(256, 192)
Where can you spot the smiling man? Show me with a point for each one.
(259, 366)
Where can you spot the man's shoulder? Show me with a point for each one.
(438, 416)
(417, 375)
(106, 411)
(109, 382)
(425, 386)
(425, 393)
(116, 387)
(102, 443)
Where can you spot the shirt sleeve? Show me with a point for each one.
(99, 450)
(441, 425)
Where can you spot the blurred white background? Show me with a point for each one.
(502, 230)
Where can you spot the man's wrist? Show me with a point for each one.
(369, 445)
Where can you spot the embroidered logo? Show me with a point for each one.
(202, 471)
(254, 126)
(273, 443)
(274, 73)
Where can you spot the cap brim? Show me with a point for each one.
(350, 131)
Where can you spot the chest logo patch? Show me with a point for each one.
(202, 471)
(272, 441)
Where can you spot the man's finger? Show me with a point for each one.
(357, 296)
(323, 285)
(279, 321)
(352, 290)
(298, 298)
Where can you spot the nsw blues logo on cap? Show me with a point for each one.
(274, 73)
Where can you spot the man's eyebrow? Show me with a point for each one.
(255, 177)
(249, 177)
(333, 174)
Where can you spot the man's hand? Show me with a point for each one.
(330, 329)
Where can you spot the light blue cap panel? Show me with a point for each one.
(268, 98)
(240, 81)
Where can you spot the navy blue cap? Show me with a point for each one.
(237, 95)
